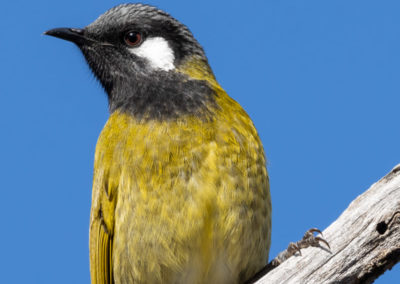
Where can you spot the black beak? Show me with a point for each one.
(73, 35)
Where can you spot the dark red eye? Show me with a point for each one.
(132, 38)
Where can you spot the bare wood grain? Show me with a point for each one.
(364, 240)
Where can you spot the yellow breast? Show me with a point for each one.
(183, 201)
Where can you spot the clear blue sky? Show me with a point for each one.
(319, 78)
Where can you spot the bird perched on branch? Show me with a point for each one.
(180, 187)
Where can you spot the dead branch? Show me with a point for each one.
(364, 240)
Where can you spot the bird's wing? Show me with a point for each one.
(102, 227)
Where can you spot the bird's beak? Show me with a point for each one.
(74, 35)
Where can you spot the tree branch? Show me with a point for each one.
(364, 240)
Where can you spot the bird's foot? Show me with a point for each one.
(308, 240)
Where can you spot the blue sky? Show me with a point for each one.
(320, 79)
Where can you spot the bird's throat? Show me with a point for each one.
(167, 95)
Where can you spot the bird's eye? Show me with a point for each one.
(132, 38)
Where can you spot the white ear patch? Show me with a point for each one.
(157, 51)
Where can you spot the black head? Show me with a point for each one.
(136, 50)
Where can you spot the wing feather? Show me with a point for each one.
(102, 230)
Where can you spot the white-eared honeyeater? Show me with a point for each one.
(180, 187)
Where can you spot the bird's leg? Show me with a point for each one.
(308, 240)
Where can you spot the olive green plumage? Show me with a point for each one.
(180, 187)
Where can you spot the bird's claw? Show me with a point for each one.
(308, 240)
(319, 239)
(293, 248)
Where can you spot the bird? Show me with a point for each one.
(180, 185)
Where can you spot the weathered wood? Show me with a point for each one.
(364, 240)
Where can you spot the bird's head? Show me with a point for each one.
(148, 62)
